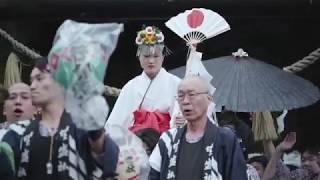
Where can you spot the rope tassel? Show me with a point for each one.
(13, 71)
(263, 126)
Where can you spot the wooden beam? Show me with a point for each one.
(105, 10)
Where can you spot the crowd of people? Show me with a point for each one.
(40, 141)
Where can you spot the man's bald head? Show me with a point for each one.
(197, 81)
(18, 105)
(194, 98)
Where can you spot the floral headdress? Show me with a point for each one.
(149, 38)
(150, 35)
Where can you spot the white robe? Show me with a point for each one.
(160, 97)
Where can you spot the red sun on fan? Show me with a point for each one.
(195, 18)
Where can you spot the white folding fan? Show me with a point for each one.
(197, 24)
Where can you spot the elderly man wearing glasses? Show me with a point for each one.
(199, 149)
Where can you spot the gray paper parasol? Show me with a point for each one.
(245, 84)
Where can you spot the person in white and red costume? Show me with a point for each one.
(147, 101)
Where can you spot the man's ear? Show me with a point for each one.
(35, 109)
(210, 97)
(4, 112)
(3, 108)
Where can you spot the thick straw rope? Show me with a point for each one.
(303, 63)
(112, 91)
(19, 46)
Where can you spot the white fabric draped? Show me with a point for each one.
(160, 97)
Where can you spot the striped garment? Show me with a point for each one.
(223, 158)
(74, 158)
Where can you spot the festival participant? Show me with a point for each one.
(310, 161)
(200, 149)
(69, 140)
(17, 106)
(147, 100)
(4, 94)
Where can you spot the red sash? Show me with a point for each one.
(146, 119)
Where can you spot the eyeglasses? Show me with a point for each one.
(191, 95)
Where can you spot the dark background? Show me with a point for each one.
(278, 32)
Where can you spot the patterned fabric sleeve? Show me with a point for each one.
(282, 172)
(252, 173)
(302, 174)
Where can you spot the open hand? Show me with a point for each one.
(288, 142)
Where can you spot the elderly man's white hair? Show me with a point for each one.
(207, 86)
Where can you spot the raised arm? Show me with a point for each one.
(286, 144)
(268, 148)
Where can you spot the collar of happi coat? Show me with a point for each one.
(210, 168)
(4, 125)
